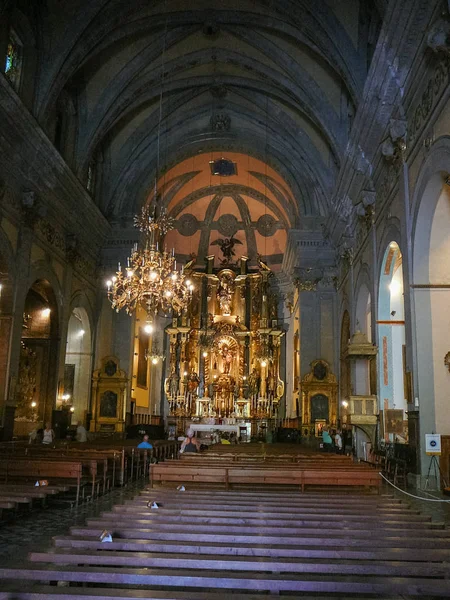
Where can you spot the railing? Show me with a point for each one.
(146, 419)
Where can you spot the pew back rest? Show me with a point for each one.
(43, 468)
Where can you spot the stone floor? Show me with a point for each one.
(34, 531)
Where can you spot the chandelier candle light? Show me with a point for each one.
(151, 279)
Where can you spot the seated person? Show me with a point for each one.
(190, 444)
(145, 443)
(48, 435)
(81, 432)
(36, 435)
(327, 440)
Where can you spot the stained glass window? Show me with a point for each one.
(13, 59)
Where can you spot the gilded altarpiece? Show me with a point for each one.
(319, 397)
(108, 395)
(225, 351)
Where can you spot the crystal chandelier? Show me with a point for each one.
(154, 356)
(151, 279)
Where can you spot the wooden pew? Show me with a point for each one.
(230, 473)
(210, 545)
(26, 469)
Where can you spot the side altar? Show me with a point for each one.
(225, 349)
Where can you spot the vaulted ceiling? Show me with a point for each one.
(128, 90)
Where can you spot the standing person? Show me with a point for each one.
(338, 442)
(48, 434)
(191, 443)
(145, 443)
(327, 440)
(81, 435)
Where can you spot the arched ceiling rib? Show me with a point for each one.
(254, 205)
(289, 75)
(304, 98)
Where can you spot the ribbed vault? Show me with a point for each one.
(139, 87)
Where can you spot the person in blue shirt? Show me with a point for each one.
(327, 440)
(145, 443)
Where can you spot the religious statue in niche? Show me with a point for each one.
(227, 358)
(226, 245)
(254, 383)
(193, 382)
(172, 384)
(108, 404)
(271, 384)
(225, 294)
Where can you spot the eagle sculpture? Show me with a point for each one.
(226, 245)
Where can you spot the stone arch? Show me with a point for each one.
(430, 288)
(42, 270)
(37, 383)
(391, 335)
(78, 363)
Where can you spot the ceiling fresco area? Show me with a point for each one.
(254, 206)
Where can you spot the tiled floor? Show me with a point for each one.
(34, 531)
(439, 511)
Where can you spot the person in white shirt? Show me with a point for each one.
(81, 432)
(49, 435)
(338, 442)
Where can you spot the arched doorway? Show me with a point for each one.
(77, 366)
(431, 289)
(391, 335)
(37, 381)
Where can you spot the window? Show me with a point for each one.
(13, 64)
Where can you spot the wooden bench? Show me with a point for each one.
(55, 471)
(213, 545)
(280, 474)
(245, 457)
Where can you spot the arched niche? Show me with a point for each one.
(36, 385)
(364, 311)
(75, 394)
(391, 336)
(431, 289)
